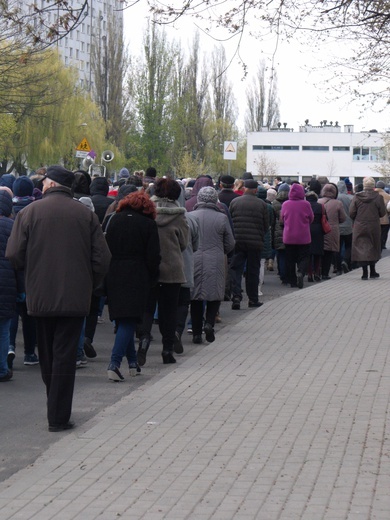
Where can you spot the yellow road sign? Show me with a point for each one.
(83, 146)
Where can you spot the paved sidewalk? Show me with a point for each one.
(285, 416)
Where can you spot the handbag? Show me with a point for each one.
(324, 222)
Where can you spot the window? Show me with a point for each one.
(315, 148)
(274, 147)
(361, 153)
(341, 148)
(70, 52)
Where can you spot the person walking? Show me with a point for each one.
(61, 247)
(10, 285)
(173, 234)
(335, 213)
(366, 209)
(251, 223)
(132, 237)
(317, 238)
(296, 216)
(380, 188)
(343, 261)
(209, 263)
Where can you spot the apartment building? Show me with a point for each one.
(76, 47)
(325, 150)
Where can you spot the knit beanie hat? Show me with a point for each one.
(7, 180)
(284, 187)
(207, 194)
(381, 184)
(23, 186)
(368, 182)
(124, 173)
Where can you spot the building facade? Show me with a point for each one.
(89, 37)
(326, 150)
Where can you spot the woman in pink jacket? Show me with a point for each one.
(296, 216)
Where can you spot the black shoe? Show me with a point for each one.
(142, 350)
(7, 377)
(197, 339)
(317, 278)
(364, 276)
(167, 357)
(177, 344)
(89, 351)
(209, 333)
(325, 277)
(236, 304)
(374, 275)
(300, 280)
(255, 304)
(61, 427)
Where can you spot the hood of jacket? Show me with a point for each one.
(5, 203)
(342, 187)
(167, 210)
(367, 196)
(99, 186)
(296, 192)
(200, 183)
(329, 191)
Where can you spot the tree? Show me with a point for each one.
(262, 101)
(266, 167)
(109, 62)
(43, 23)
(48, 119)
(150, 100)
(361, 24)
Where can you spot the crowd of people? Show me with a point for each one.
(157, 249)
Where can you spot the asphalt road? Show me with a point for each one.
(24, 435)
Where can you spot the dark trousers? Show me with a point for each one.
(91, 320)
(326, 262)
(212, 308)
(297, 258)
(384, 234)
(182, 309)
(166, 295)
(58, 338)
(345, 251)
(252, 260)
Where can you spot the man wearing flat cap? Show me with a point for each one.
(250, 222)
(59, 244)
(226, 194)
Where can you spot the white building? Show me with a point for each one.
(324, 150)
(77, 46)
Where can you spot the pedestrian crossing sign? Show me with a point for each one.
(83, 146)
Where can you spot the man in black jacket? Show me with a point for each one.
(250, 222)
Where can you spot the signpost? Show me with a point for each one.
(230, 153)
(83, 149)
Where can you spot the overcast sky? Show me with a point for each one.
(300, 98)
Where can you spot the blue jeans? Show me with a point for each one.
(124, 342)
(5, 324)
(80, 346)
